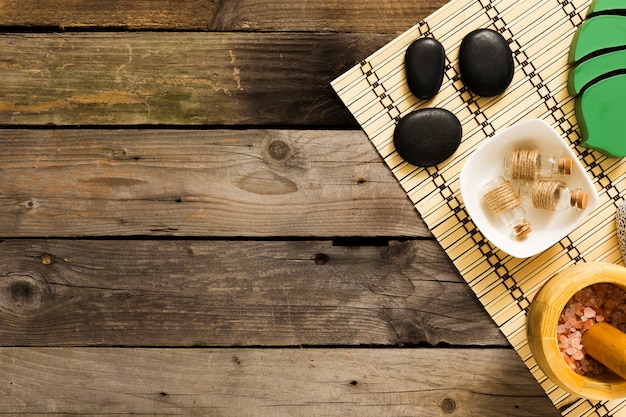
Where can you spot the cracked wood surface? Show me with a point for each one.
(183, 78)
(267, 382)
(234, 293)
(199, 183)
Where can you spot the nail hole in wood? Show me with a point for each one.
(321, 259)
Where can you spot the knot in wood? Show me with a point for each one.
(394, 284)
(401, 253)
(278, 150)
(448, 405)
(22, 292)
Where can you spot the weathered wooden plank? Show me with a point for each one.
(177, 78)
(131, 14)
(386, 16)
(278, 382)
(375, 16)
(234, 293)
(198, 183)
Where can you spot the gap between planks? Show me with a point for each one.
(235, 293)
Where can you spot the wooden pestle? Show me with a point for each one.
(607, 345)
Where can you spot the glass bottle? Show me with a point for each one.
(504, 202)
(530, 164)
(553, 195)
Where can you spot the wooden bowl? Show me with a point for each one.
(543, 318)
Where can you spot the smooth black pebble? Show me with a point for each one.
(486, 62)
(424, 62)
(427, 137)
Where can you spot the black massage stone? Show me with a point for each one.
(427, 137)
(424, 62)
(486, 62)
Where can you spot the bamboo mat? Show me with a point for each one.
(539, 33)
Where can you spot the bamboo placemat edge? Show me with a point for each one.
(539, 34)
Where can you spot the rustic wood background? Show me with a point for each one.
(193, 224)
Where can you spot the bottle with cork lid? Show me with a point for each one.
(553, 195)
(531, 164)
(504, 202)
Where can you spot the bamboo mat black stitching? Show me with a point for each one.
(376, 94)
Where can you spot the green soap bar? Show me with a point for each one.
(600, 113)
(600, 6)
(598, 32)
(589, 70)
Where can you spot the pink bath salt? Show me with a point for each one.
(588, 313)
(568, 326)
(593, 304)
(588, 367)
(569, 361)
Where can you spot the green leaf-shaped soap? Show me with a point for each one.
(606, 6)
(601, 116)
(593, 69)
(598, 77)
(597, 33)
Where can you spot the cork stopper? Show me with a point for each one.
(579, 199)
(521, 230)
(565, 165)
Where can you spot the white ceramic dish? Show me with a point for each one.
(486, 163)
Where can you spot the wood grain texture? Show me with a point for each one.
(124, 14)
(386, 16)
(198, 183)
(237, 293)
(222, 267)
(177, 78)
(278, 382)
